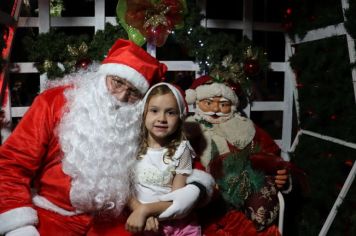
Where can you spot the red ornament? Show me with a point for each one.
(155, 19)
(300, 85)
(289, 11)
(333, 117)
(349, 163)
(236, 87)
(83, 63)
(157, 35)
(251, 67)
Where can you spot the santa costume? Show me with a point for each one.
(68, 161)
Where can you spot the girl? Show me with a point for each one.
(163, 163)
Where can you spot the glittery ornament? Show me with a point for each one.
(83, 63)
(251, 67)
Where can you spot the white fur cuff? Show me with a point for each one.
(17, 218)
(205, 179)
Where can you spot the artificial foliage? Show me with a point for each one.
(326, 95)
(236, 179)
(207, 49)
(327, 165)
(326, 101)
(305, 15)
(210, 48)
(57, 53)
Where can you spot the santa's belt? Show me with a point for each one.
(44, 203)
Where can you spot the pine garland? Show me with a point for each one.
(54, 54)
(305, 15)
(208, 49)
(327, 107)
(238, 179)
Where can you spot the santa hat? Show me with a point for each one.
(178, 94)
(129, 61)
(205, 87)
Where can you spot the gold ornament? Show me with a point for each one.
(80, 51)
(228, 71)
(47, 65)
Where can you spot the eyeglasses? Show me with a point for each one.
(120, 85)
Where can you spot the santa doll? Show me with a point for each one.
(243, 159)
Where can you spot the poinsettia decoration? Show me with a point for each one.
(150, 20)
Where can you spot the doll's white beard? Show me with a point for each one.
(99, 139)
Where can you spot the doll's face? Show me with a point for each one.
(215, 109)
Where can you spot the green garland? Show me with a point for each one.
(57, 54)
(327, 106)
(238, 180)
(302, 16)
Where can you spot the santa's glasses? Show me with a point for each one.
(121, 85)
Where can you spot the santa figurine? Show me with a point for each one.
(244, 160)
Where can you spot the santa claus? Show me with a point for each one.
(243, 159)
(67, 164)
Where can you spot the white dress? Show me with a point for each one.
(154, 174)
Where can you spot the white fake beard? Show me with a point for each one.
(222, 117)
(99, 139)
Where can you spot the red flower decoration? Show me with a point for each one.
(155, 19)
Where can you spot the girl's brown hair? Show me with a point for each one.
(174, 139)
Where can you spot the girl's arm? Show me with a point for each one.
(179, 181)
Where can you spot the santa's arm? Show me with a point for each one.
(20, 157)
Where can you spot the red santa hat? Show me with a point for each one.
(205, 87)
(129, 61)
(178, 94)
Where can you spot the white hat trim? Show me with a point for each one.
(17, 218)
(127, 73)
(216, 90)
(190, 96)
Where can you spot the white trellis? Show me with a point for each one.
(326, 32)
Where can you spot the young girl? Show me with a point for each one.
(164, 162)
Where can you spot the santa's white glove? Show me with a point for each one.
(183, 202)
(28, 230)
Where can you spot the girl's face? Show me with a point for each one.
(162, 119)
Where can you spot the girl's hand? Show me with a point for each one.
(137, 220)
(152, 224)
